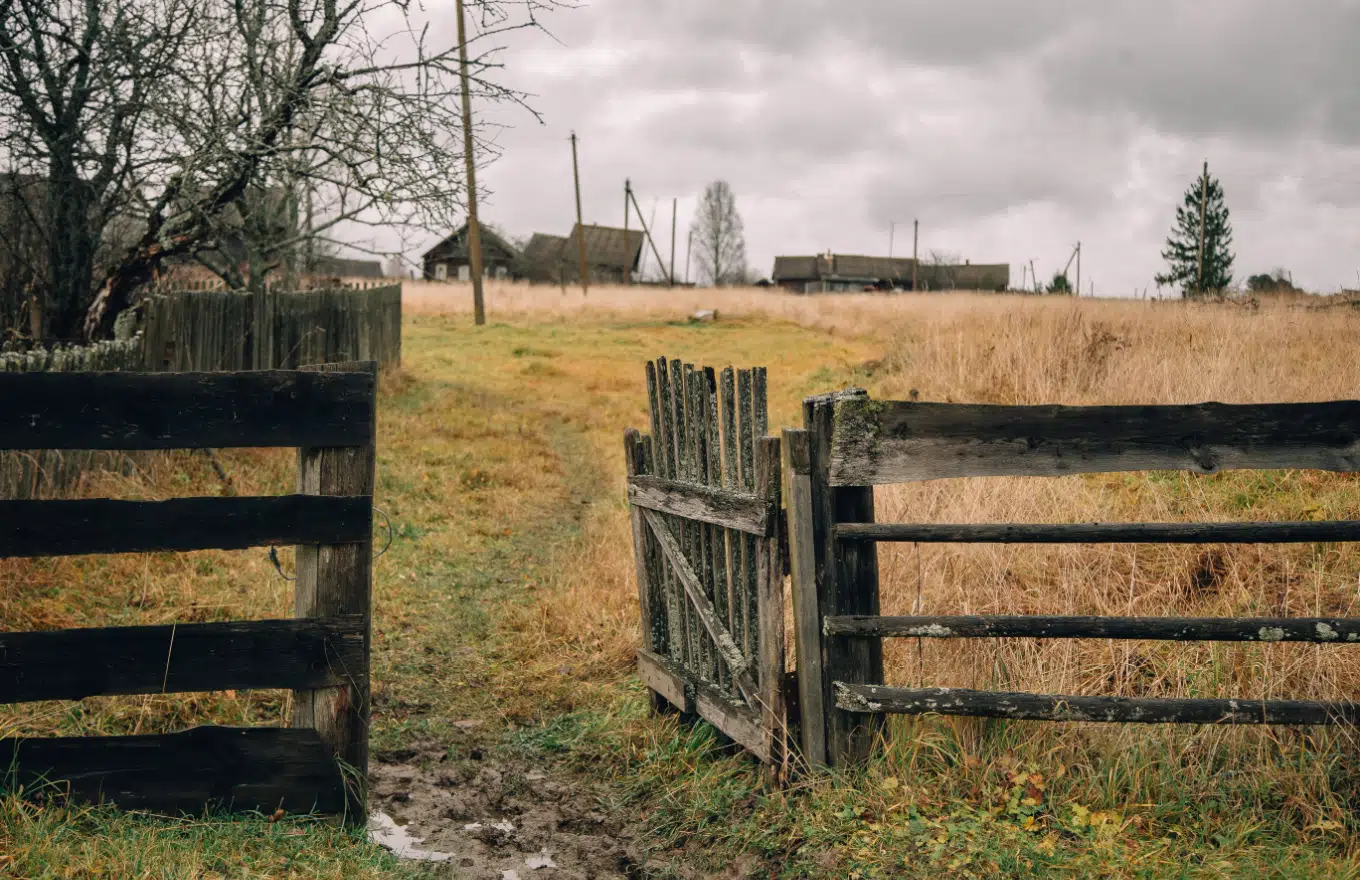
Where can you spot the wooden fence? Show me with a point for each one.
(322, 654)
(704, 494)
(269, 330)
(851, 443)
(202, 329)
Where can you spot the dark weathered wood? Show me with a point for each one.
(634, 462)
(1050, 707)
(697, 550)
(1098, 533)
(683, 532)
(741, 511)
(740, 722)
(102, 525)
(715, 557)
(666, 679)
(263, 768)
(847, 583)
(770, 609)
(183, 410)
(731, 480)
(1339, 630)
(880, 442)
(746, 565)
(667, 453)
(72, 664)
(335, 579)
(807, 629)
(731, 654)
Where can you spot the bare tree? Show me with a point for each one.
(234, 132)
(719, 237)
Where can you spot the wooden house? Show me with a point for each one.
(613, 255)
(828, 272)
(449, 259)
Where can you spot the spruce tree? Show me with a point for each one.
(1182, 252)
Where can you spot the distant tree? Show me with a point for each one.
(1269, 282)
(1059, 284)
(719, 238)
(1182, 251)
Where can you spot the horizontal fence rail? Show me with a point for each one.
(863, 698)
(1105, 533)
(719, 507)
(101, 525)
(179, 658)
(878, 442)
(251, 768)
(1323, 630)
(145, 411)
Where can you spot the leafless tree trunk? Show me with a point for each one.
(719, 239)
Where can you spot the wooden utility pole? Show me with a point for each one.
(647, 233)
(1203, 202)
(1078, 268)
(627, 188)
(690, 246)
(915, 261)
(474, 234)
(892, 227)
(674, 202)
(580, 227)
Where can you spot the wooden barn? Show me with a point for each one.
(449, 259)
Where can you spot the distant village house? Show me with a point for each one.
(828, 273)
(449, 259)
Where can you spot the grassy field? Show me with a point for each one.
(506, 612)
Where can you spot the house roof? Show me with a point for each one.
(454, 244)
(544, 249)
(606, 246)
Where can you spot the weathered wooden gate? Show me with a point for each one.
(704, 494)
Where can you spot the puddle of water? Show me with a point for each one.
(385, 832)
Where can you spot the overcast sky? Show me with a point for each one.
(1011, 128)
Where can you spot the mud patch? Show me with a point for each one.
(499, 818)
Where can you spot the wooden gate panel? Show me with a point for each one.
(705, 506)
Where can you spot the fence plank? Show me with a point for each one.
(879, 442)
(676, 617)
(734, 510)
(1341, 630)
(73, 664)
(1051, 707)
(770, 603)
(337, 579)
(101, 525)
(807, 630)
(847, 583)
(666, 679)
(727, 427)
(263, 768)
(1097, 533)
(634, 461)
(183, 411)
(740, 722)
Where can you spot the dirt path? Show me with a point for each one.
(456, 796)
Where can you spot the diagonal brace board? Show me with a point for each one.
(736, 661)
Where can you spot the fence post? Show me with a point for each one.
(335, 579)
(847, 583)
(807, 618)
